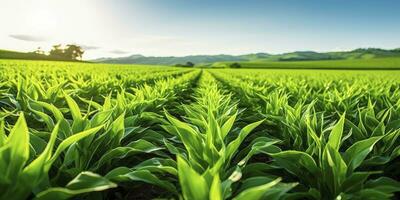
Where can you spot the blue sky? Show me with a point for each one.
(187, 27)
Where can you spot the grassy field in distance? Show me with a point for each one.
(374, 63)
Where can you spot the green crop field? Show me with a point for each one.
(107, 131)
(372, 63)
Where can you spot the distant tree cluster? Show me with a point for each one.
(187, 64)
(59, 52)
(69, 52)
(235, 65)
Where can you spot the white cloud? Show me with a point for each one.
(119, 52)
(29, 38)
(88, 47)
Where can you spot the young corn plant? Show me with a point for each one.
(337, 169)
(21, 174)
(247, 134)
(124, 140)
(204, 164)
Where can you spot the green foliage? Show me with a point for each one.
(235, 65)
(86, 131)
(69, 52)
(187, 64)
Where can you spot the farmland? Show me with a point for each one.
(388, 63)
(107, 131)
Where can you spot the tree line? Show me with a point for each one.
(60, 52)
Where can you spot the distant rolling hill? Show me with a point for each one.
(339, 55)
(250, 60)
(370, 63)
(171, 60)
(256, 57)
(6, 54)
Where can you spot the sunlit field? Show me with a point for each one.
(104, 131)
(388, 63)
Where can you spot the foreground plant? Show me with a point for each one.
(337, 170)
(205, 164)
(135, 132)
(20, 176)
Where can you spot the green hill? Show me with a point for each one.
(170, 60)
(370, 63)
(368, 53)
(5, 54)
(339, 55)
(370, 57)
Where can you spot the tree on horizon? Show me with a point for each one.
(70, 52)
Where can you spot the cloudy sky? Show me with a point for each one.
(186, 27)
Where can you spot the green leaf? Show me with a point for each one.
(254, 181)
(85, 182)
(15, 152)
(139, 146)
(118, 128)
(46, 118)
(384, 184)
(56, 112)
(355, 155)
(355, 181)
(101, 118)
(372, 194)
(258, 192)
(35, 172)
(124, 174)
(334, 169)
(3, 136)
(228, 125)
(336, 134)
(159, 165)
(70, 140)
(298, 163)
(274, 193)
(262, 145)
(215, 190)
(194, 186)
(188, 135)
(73, 107)
(234, 145)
